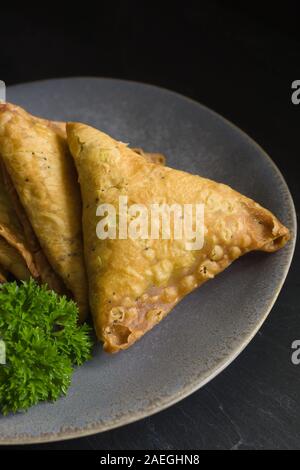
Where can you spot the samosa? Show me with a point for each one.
(42, 183)
(135, 282)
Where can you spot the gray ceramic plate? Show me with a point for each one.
(209, 328)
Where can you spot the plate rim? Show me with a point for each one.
(194, 385)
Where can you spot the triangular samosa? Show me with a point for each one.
(134, 283)
(47, 198)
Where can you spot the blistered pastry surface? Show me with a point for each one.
(36, 156)
(135, 283)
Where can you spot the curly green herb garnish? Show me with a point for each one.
(42, 343)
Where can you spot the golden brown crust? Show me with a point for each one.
(37, 159)
(133, 284)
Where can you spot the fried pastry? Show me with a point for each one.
(134, 283)
(41, 171)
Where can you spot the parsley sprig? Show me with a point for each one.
(43, 343)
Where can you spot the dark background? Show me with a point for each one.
(239, 58)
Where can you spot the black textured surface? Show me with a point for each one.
(240, 61)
